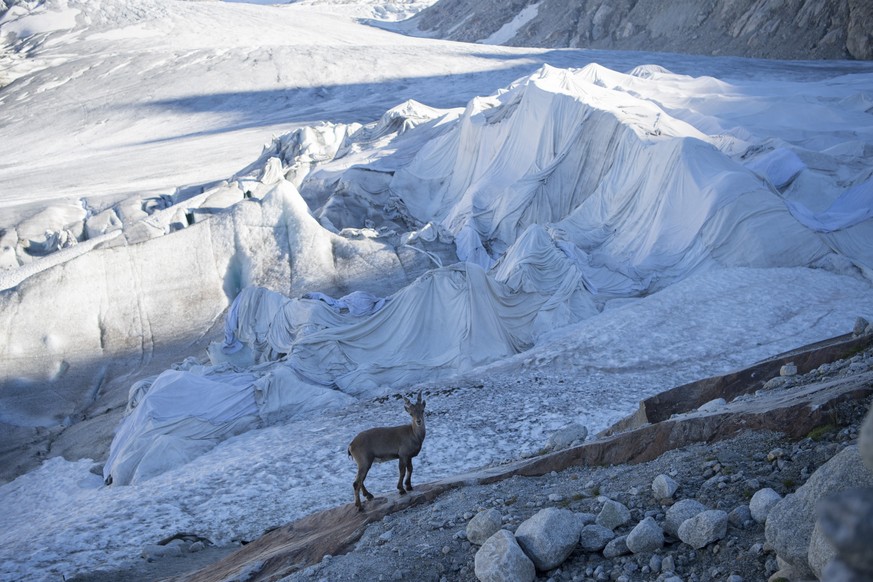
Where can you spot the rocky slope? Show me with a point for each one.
(735, 447)
(773, 29)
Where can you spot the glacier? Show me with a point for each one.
(532, 237)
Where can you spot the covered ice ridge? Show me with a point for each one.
(434, 241)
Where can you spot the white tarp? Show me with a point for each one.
(306, 355)
(851, 208)
(182, 415)
(562, 192)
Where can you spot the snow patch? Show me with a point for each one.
(508, 31)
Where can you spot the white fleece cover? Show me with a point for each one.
(572, 194)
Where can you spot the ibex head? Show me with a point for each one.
(415, 410)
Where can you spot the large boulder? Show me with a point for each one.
(483, 526)
(704, 528)
(646, 536)
(594, 538)
(762, 502)
(548, 537)
(500, 559)
(679, 512)
(613, 514)
(616, 547)
(663, 487)
(790, 523)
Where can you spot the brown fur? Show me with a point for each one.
(385, 443)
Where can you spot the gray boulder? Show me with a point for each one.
(571, 435)
(585, 518)
(500, 559)
(788, 370)
(790, 522)
(679, 512)
(613, 514)
(616, 547)
(483, 526)
(704, 528)
(739, 515)
(663, 487)
(646, 536)
(594, 538)
(844, 530)
(762, 502)
(548, 537)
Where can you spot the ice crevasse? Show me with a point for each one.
(560, 192)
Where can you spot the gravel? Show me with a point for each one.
(722, 476)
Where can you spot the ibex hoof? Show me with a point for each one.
(369, 497)
(402, 491)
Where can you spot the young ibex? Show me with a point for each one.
(389, 442)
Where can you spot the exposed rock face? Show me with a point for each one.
(780, 29)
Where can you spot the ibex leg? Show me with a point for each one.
(359, 485)
(409, 474)
(402, 467)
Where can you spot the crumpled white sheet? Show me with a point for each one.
(635, 198)
(852, 207)
(181, 415)
(312, 356)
